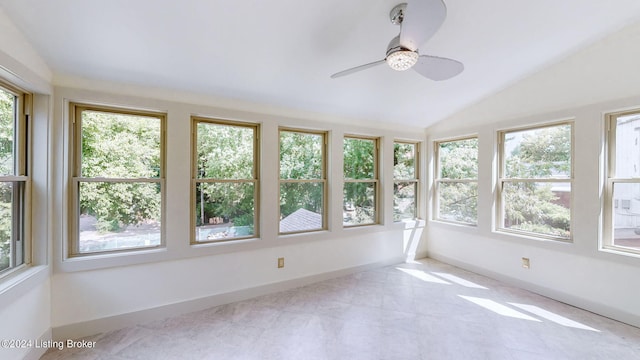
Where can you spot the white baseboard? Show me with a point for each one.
(420, 255)
(585, 304)
(92, 327)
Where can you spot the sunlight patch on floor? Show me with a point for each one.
(498, 308)
(459, 280)
(553, 317)
(423, 276)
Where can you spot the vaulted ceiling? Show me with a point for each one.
(282, 52)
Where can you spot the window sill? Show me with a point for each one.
(619, 252)
(533, 237)
(361, 226)
(454, 223)
(302, 234)
(21, 281)
(178, 251)
(231, 242)
(113, 259)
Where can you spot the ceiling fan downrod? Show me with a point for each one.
(397, 13)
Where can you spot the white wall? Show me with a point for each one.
(25, 295)
(601, 78)
(86, 290)
(88, 295)
(23, 65)
(26, 319)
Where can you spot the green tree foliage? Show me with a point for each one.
(535, 206)
(404, 168)
(540, 153)
(458, 160)
(359, 164)
(7, 117)
(532, 207)
(294, 196)
(459, 202)
(120, 147)
(404, 157)
(359, 158)
(226, 153)
(301, 158)
(5, 224)
(300, 155)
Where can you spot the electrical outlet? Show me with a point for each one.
(526, 263)
(280, 262)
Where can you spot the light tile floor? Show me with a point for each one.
(423, 310)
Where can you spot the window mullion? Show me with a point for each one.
(117, 180)
(223, 181)
(457, 180)
(536, 180)
(361, 180)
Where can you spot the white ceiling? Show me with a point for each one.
(282, 52)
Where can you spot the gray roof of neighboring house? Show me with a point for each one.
(301, 219)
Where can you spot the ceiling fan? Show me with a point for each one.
(419, 20)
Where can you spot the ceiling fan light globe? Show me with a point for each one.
(402, 60)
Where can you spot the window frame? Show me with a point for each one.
(375, 180)
(323, 180)
(437, 180)
(75, 179)
(20, 244)
(608, 238)
(415, 180)
(501, 181)
(195, 120)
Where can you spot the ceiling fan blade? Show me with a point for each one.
(422, 19)
(438, 68)
(356, 69)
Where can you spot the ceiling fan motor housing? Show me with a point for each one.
(394, 45)
(400, 58)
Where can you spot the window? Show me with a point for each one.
(118, 179)
(622, 193)
(405, 180)
(456, 182)
(535, 179)
(225, 180)
(360, 205)
(303, 181)
(14, 107)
